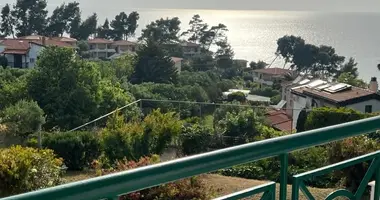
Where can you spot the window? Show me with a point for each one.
(32, 60)
(368, 109)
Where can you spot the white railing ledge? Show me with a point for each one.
(372, 185)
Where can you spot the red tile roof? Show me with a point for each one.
(14, 51)
(15, 44)
(99, 41)
(176, 59)
(49, 42)
(64, 39)
(124, 43)
(32, 37)
(279, 120)
(274, 71)
(338, 97)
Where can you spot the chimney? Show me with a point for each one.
(373, 85)
(44, 40)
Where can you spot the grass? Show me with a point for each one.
(223, 185)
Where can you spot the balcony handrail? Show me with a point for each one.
(112, 185)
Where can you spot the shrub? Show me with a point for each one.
(136, 139)
(78, 149)
(275, 99)
(266, 92)
(27, 169)
(23, 118)
(196, 139)
(236, 96)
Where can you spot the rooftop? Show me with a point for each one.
(124, 43)
(176, 59)
(99, 41)
(338, 93)
(274, 71)
(279, 120)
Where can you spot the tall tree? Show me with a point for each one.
(258, 65)
(119, 26)
(349, 67)
(7, 22)
(104, 31)
(213, 36)
(74, 26)
(88, 27)
(62, 16)
(196, 30)
(30, 17)
(133, 17)
(153, 65)
(162, 30)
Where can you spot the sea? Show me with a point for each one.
(253, 34)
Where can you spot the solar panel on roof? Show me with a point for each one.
(315, 83)
(304, 81)
(338, 87)
(323, 86)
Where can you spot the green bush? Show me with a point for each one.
(27, 169)
(136, 139)
(236, 96)
(266, 92)
(196, 139)
(23, 118)
(78, 149)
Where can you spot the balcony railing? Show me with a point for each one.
(112, 186)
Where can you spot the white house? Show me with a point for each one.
(177, 63)
(20, 53)
(268, 76)
(318, 93)
(23, 53)
(100, 48)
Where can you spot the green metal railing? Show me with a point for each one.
(114, 185)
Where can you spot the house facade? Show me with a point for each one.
(269, 76)
(177, 63)
(319, 93)
(190, 49)
(100, 48)
(23, 53)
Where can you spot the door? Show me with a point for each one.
(17, 59)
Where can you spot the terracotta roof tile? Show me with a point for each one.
(274, 71)
(279, 120)
(15, 51)
(64, 39)
(99, 41)
(176, 59)
(15, 44)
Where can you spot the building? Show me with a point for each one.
(268, 76)
(100, 48)
(279, 120)
(71, 41)
(319, 93)
(124, 46)
(23, 53)
(177, 63)
(190, 49)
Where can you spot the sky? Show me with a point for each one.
(299, 5)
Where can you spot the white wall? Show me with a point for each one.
(299, 103)
(361, 106)
(178, 66)
(34, 51)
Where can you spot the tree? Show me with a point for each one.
(83, 49)
(196, 30)
(349, 67)
(74, 26)
(378, 67)
(65, 87)
(7, 22)
(153, 65)
(162, 30)
(62, 17)
(23, 118)
(104, 31)
(302, 117)
(258, 65)
(132, 24)
(287, 45)
(88, 27)
(351, 80)
(13, 86)
(214, 35)
(224, 55)
(30, 17)
(237, 96)
(119, 26)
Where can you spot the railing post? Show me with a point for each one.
(283, 176)
(377, 185)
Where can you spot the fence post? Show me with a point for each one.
(283, 176)
(39, 136)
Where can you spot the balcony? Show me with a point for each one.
(111, 186)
